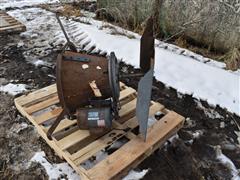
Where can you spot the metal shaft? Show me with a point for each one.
(63, 30)
(69, 43)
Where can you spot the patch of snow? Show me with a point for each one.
(238, 136)
(188, 53)
(21, 3)
(38, 63)
(171, 139)
(226, 161)
(189, 123)
(209, 112)
(197, 134)
(16, 128)
(55, 171)
(13, 89)
(151, 121)
(222, 125)
(135, 175)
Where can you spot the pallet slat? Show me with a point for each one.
(101, 143)
(48, 115)
(77, 146)
(42, 105)
(128, 108)
(123, 158)
(37, 96)
(72, 139)
(96, 146)
(9, 24)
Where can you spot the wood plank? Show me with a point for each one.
(72, 139)
(48, 115)
(134, 149)
(102, 143)
(99, 144)
(65, 123)
(132, 123)
(36, 96)
(95, 89)
(114, 165)
(128, 108)
(42, 105)
(126, 92)
(11, 27)
(62, 154)
(122, 85)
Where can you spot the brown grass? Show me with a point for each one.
(232, 59)
(181, 42)
(69, 10)
(115, 31)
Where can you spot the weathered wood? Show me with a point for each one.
(67, 138)
(126, 155)
(9, 24)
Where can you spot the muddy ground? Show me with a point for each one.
(192, 154)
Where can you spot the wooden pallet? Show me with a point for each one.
(10, 25)
(78, 146)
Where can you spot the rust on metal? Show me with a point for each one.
(147, 51)
(73, 80)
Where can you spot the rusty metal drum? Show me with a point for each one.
(74, 73)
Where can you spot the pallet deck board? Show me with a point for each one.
(77, 146)
(10, 25)
(112, 165)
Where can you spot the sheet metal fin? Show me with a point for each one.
(143, 102)
(147, 53)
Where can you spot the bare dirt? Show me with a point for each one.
(191, 155)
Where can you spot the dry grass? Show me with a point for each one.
(69, 10)
(232, 59)
(115, 31)
(206, 52)
(181, 42)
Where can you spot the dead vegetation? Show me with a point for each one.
(70, 10)
(196, 48)
(116, 31)
(132, 14)
(232, 59)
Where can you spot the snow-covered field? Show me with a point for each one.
(196, 75)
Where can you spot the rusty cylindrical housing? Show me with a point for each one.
(73, 78)
(75, 72)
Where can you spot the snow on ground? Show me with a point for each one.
(13, 89)
(21, 3)
(58, 171)
(55, 171)
(134, 175)
(226, 161)
(204, 81)
(4, 4)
